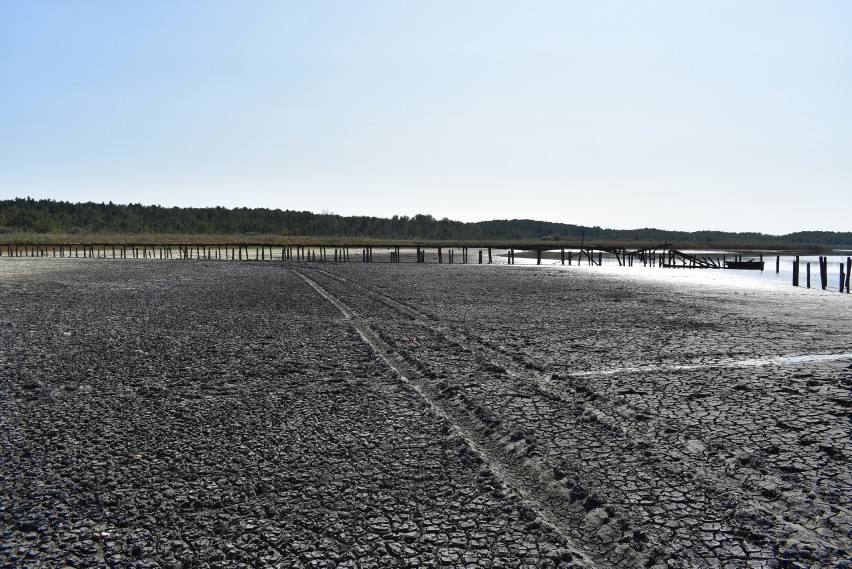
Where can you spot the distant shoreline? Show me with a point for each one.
(43, 221)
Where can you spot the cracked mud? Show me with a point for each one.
(203, 414)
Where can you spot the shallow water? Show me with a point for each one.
(756, 279)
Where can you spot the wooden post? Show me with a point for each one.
(777, 264)
(808, 277)
(819, 261)
(480, 256)
(538, 256)
(440, 256)
(841, 278)
(796, 271)
(489, 255)
(600, 259)
(848, 272)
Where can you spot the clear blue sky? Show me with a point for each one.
(732, 115)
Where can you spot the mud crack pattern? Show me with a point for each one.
(317, 415)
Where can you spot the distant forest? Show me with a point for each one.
(26, 215)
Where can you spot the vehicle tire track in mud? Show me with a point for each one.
(548, 499)
(679, 443)
(751, 524)
(226, 415)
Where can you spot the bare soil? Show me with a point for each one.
(225, 414)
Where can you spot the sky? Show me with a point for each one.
(716, 115)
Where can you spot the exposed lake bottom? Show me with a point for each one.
(296, 414)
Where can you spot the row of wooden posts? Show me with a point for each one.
(184, 251)
(261, 252)
(648, 257)
(844, 273)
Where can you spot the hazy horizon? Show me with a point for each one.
(682, 116)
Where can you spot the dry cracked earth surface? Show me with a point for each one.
(221, 414)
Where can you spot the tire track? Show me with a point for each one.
(549, 500)
(560, 386)
(677, 445)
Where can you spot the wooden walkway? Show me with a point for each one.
(663, 255)
(328, 253)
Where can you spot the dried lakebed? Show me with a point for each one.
(180, 414)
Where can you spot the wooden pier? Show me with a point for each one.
(450, 254)
(664, 255)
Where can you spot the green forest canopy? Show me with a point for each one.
(26, 215)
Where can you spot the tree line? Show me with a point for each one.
(27, 215)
